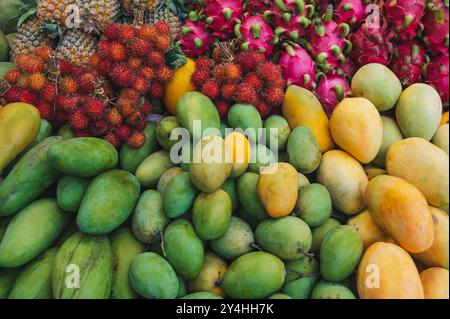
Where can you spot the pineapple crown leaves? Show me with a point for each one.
(175, 58)
(178, 7)
(26, 11)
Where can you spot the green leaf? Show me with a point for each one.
(175, 58)
(24, 17)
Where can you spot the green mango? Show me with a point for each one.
(319, 233)
(71, 229)
(230, 188)
(260, 158)
(182, 290)
(33, 230)
(194, 107)
(340, 253)
(4, 222)
(331, 290)
(45, 131)
(302, 181)
(35, 280)
(441, 139)
(5, 67)
(148, 221)
(83, 268)
(210, 276)
(108, 202)
(211, 214)
(391, 135)
(7, 279)
(288, 238)
(178, 195)
(66, 132)
(166, 177)
(4, 48)
(277, 132)
(183, 249)
(247, 118)
(247, 186)
(29, 178)
(153, 167)
(124, 247)
(83, 156)
(279, 296)
(302, 276)
(236, 241)
(303, 150)
(203, 295)
(254, 276)
(164, 132)
(314, 204)
(70, 191)
(130, 158)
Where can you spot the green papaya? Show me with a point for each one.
(303, 150)
(70, 191)
(314, 204)
(153, 167)
(178, 195)
(302, 276)
(247, 186)
(331, 290)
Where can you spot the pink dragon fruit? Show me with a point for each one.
(405, 16)
(352, 12)
(347, 69)
(297, 66)
(331, 89)
(322, 5)
(436, 23)
(437, 75)
(258, 6)
(195, 39)
(256, 34)
(221, 16)
(407, 64)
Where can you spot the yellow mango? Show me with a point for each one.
(278, 189)
(387, 271)
(435, 283)
(302, 108)
(179, 85)
(241, 152)
(369, 232)
(356, 127)
(19, 125)
(444, 119)
(424, 165)
(437, 255)
(373, 171)
(401, 211)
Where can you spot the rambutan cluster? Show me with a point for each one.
(249, 79)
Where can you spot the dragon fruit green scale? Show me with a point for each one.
(256, 34)
(405, 16)
(297, 66)
(195, 39)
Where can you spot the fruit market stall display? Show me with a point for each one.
(320, 168)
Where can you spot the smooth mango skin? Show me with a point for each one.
(278, 189)
(178, 195)
(302, 108)
(29, 178)
(230, 188)
(387, 271)
(402, 212)
(331, 290)
(303, 150)
(153, 277)
(194, 107)
(279, 296)
(182, 290)
(70, 191)
(212, 164)
(164, 130)
(236, 241)
(437, 255)
(108, 202)
(210, 276)
(179, 85)
(356, 127)
(148, 221)
(166, 177)
(314, 204)
(184, 249)
(124, 247)
(151, 169)
(369, 232)
(211, 214)
(35, 280)
(202, 295)
(441, 138)
(435, 283)
(277, 132)
(240, 149)
(302, 275)
(373, 171)
(131, 158)
(345, 179)
(319, 233)
(43, 221)
(340, 253)
(66, 132)
(288, 238)
(391, 135)
(419, 111)
(247, 118)
(83, 156)
(7, 279)
(425, 166)
(254, 276)
(19, 125)
(45, 130)
(93, 256)
(261, 157)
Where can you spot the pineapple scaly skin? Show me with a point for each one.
(77, 47)
(163, 13)
(101, 12)
(30, 36)
(130, 6)
(55, 11)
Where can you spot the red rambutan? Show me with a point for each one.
(123, 132)
(228, 90)
(23, 81)
(104, 48)
(125, 106)
(68, 85)
(263, 108)
(134, 119)
(211, 89)
(136, 139)
(146, 107)
(66, 68)
(114, 117)
(134, 63)
(141, 124)
(162, 43)
(61, 118)
(245, 94)
(147, 72)
(122, 75)
(45, 110)
(12, 76)
(200, 76)
(162, 27)
(147, 32)
(118, 52)
(254, 81)
(156, 90)
(269, 72)
(67, 103)
(220, 74)
(126, 32)
(232, 72)
(112, 31)
(43, 52)
(244, 59)
(273, 96)
(30, 63)
(104, 67)
(155, 58)
(164, 74)
(204, 63)
(37, 81)
(94, 61)
(139, 47)
(99, 128)
(13, 94)
(94, 108)
(130, 94)
(111, 138)
(222, 107)
(78, 120)
(48, 94)
(86, 82)
(141, 84)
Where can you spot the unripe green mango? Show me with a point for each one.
(83, 156)
(203, 295)
(108, 202)
(70, 191)
(29, 178)
(302, 181)
(254, 276)
(182, 290)
(124, 247)
(302, 275)
(153, 167)
(319, 233)
(71, 229)
(178, 195)
(391, 135)
(331, 290)
(441, 138)
(340, 253)
(35, 280)
(183, 249)
(66, 132)
(279, 296)
(211, 214)
(303, 150)
(164, 131)
(288, 238)
(166, 177)
(33, 230)
(130, 158)
(7, 279)
(247, 118)
(261, 157)
(314, 204)
(277, 132)
(148, 221)
(230, 188)
(247, 186)
(210, 276)
(83, 268)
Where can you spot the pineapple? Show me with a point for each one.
(77, 47)
(55, 10)
(171, 11)
(30, 36)
(130, 6)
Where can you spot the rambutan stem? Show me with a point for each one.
(4, 87)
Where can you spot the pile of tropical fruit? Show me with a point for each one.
(206, 149)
